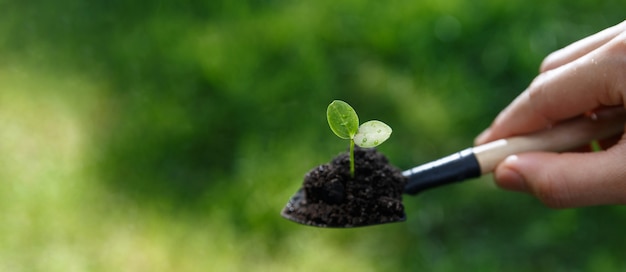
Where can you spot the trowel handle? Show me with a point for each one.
(475, 161)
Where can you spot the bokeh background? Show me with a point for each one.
(167, 135)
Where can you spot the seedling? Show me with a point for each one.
(344, 122)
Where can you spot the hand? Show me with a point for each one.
(585, 76)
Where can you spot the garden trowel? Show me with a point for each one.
(476, 161)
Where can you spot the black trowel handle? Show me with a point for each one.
(476, 161)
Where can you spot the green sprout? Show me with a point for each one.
(344, 122)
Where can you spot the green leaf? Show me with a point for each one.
(372, 133)
(342, 119)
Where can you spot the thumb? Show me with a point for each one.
(569, 179)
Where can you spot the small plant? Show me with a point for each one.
(344, 122)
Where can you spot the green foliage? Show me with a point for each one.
(372, 133)
(342, 119)
(344, 122)
(159, 135)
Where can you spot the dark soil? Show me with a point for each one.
(330, 197)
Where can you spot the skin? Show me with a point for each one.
(583, 77)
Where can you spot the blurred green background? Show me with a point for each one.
(168, 135)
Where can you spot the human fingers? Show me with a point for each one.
(591, 81)
(581, 47)
(569, 179)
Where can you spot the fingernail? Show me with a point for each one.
(508, 177)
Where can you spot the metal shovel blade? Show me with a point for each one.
(300, 211)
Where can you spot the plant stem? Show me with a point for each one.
(352, 157)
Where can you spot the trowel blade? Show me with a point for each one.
(295, 210)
